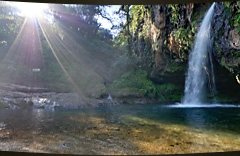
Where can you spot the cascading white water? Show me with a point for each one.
(198, 60)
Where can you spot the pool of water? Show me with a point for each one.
(122, 129)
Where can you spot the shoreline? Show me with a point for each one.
(14, 96)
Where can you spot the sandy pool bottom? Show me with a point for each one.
(131, 135)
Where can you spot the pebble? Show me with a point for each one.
(64, 145)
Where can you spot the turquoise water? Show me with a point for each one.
(120, 129)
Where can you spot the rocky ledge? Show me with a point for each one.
(14, 96)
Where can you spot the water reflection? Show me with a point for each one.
(195, 117)
(123, 129)
(38, 113)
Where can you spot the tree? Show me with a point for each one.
(10, 24)
(124, 11)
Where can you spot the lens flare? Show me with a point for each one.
(31, 9)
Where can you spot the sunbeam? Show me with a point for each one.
(11, 49)
(82, 55)
(59, 62)
(25, 54)
(72, 59)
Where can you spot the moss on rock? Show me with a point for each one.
(137, 84)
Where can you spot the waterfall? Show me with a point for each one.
(199, 60)
(110, 97)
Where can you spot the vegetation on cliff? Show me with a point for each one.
(146, 59)
(162, 37)
(227, 36)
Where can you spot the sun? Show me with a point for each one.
(31, 9)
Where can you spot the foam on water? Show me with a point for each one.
(180, 105)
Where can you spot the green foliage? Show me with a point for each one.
(69, 40)
(137, 16)
(185, 37)
(184, 34)
(52, 74)
(83, 19)
(227, 3)
(104, 35)
(226, 65)
(174, 14)
(236, 54)
(224, 99)
(168, 92)
(166, 87)
(173, 67)
(220, 32)
(121, 42)
(218, 49)
(136, 83)
(235, 20)
(234, 13)
(223, 63)
(151, 14)
(10, 23)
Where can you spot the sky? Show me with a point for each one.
(116, 20)
(32, 9)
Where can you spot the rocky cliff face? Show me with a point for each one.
(226, 32)
(163, 37)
